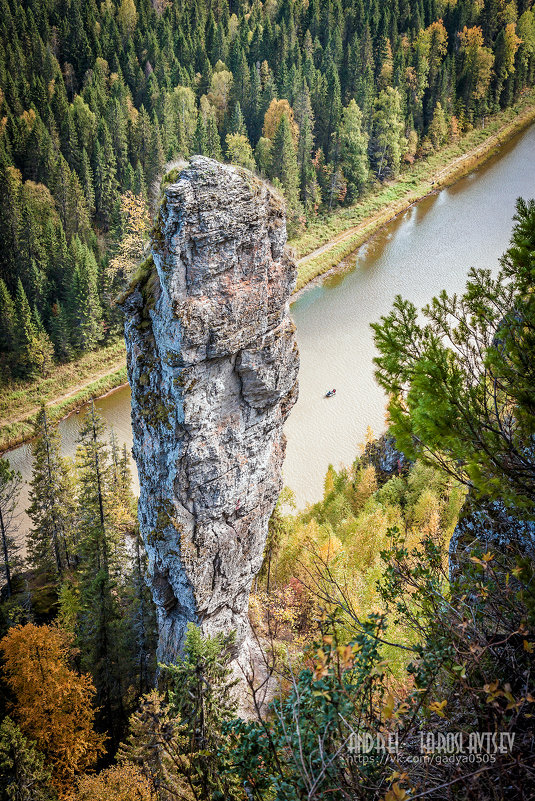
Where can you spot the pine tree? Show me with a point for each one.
(443, 407)
(50, 543)
(10, 484)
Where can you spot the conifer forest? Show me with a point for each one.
(319, 98)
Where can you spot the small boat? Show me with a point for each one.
(330, 393)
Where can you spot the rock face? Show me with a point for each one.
(489, 526)
(212, 363)
(384, 456)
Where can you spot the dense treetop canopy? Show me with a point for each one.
(96, 97)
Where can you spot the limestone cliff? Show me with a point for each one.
(489, 526)
(212, 363)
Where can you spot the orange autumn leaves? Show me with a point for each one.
(53, 704)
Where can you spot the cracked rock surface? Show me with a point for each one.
(212, 363)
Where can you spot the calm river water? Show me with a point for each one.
(429, 248)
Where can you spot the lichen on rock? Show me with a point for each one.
(212, 363)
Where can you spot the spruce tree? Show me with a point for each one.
(237, 121)
(143, 138)
(28, 356)
(51, 547)
(200, 143)
(10, 484)
(140, 620)
(213, 142)
(304, 116)
(105, 177)
(99, 628)
(156, 158)
(284, 168)
(59, 332)
(93, 474)
(201, 700)
(83, 302)
(88, 185)
(139, 187)
(7, 319)
(9, 219)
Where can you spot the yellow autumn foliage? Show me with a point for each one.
(53, 703)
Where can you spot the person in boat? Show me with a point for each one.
(330, 393)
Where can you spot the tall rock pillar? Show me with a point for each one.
(212, 363)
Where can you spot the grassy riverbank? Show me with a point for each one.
(325, 243)
(67, 387)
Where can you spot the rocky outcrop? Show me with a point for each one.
(212, 363)
(486, 525)
(384, 456)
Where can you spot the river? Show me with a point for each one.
(428, 248)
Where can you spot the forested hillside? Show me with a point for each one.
(320, 98)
